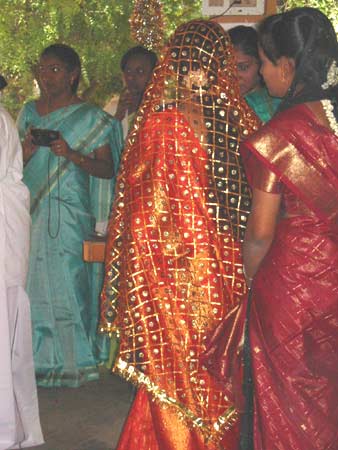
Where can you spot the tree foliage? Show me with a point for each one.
(97, 29)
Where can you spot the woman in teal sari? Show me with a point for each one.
(245, 42)
(71, 182)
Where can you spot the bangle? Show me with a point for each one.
(82, 160)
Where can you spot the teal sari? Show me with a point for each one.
(262, 103)
(65, 204)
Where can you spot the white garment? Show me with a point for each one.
(111, 107)
(19, 413)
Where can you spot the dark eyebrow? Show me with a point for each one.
(50, 65)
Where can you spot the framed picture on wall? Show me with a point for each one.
(233, 7)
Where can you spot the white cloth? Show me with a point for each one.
(19, 414)
(111, 108)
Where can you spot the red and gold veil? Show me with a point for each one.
(173, 263)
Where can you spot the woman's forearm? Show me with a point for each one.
(260, 230)
(254, 251)
(100, 168)
(28, 150)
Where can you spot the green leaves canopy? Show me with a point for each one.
(97, 29)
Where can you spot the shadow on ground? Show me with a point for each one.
(87, 418)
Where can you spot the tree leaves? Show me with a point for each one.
(97, 29)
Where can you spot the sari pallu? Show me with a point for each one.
(293, 325)
(65, 202)
(174, 270)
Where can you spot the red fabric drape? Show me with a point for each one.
(173, 266)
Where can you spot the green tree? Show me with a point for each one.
(97, 29)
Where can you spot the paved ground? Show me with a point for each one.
(86, 418)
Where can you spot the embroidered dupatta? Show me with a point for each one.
(173, 264)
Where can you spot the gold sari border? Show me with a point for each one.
(136, 377)
(303, 178)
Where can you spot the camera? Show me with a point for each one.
(44, 137)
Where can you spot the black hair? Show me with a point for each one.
(138, 51)
(3, 83)
(69, 57)
(307, 36)
(245, 39)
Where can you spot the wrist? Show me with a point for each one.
(246, 276)
(76, 157)
(119, 115)
(28, 151)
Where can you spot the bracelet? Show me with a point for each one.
(82, 160)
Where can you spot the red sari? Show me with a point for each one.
(293, 325)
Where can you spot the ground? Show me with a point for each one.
(86, 418)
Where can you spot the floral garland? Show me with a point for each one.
(332, 80)
(332, 76)
(328, 108)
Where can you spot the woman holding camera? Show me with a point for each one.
(71, 154)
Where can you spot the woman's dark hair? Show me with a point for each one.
(307, 36)
(245, 39)
(69, 57)
(3, 82)
(138, 51)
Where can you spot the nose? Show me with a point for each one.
(42, 78)
(130, 76)
(43, 74)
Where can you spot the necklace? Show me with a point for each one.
(328, 109)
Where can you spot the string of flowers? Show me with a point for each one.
(332, 80)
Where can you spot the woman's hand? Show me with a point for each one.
(124, 104)
(98, 163)
(60, 147)
(28, 147)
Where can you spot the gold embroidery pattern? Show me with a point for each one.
(213, 433)
(173, 267)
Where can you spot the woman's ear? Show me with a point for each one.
(287, 67)
(74, 75)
